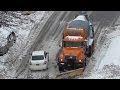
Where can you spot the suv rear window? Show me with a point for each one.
(40, 57)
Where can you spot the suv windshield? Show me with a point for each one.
(73, 44)
(40, 57)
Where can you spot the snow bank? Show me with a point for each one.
(25, 29)
(107, 64)
(113, 53)
(4, 32)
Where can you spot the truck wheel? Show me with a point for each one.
(93, 48)
(61, 69)
(85, 62)
(89, 52)
(84, 65)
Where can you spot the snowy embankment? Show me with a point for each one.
(26, 32)
(4, 32)
(107, 58)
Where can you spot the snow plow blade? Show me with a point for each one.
(70, 74)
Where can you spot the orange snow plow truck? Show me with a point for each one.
(77, 45)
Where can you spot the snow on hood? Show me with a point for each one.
(4, 33)
(81, 17)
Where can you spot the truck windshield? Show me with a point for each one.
(40, 57)
(73, 44)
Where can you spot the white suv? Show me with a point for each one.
(39, 60)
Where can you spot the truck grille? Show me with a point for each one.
(70, 59)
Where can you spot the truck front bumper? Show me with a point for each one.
(67, 65)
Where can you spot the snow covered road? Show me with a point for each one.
(49, 39)
(46, 35)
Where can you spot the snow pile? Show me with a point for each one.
(109, 66)
(108, 58)
(105, 62)
(20, 24)
(113, 53)
(24, 27)
(4, 32)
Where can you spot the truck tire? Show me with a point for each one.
(84, 65)
(92, 47)
(89, 52)
(61, 69)
(85, 62)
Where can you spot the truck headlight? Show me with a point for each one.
(80, 60)
(61, 59)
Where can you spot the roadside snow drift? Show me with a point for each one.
(112, 55)
(107, 59)
(24, 27)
